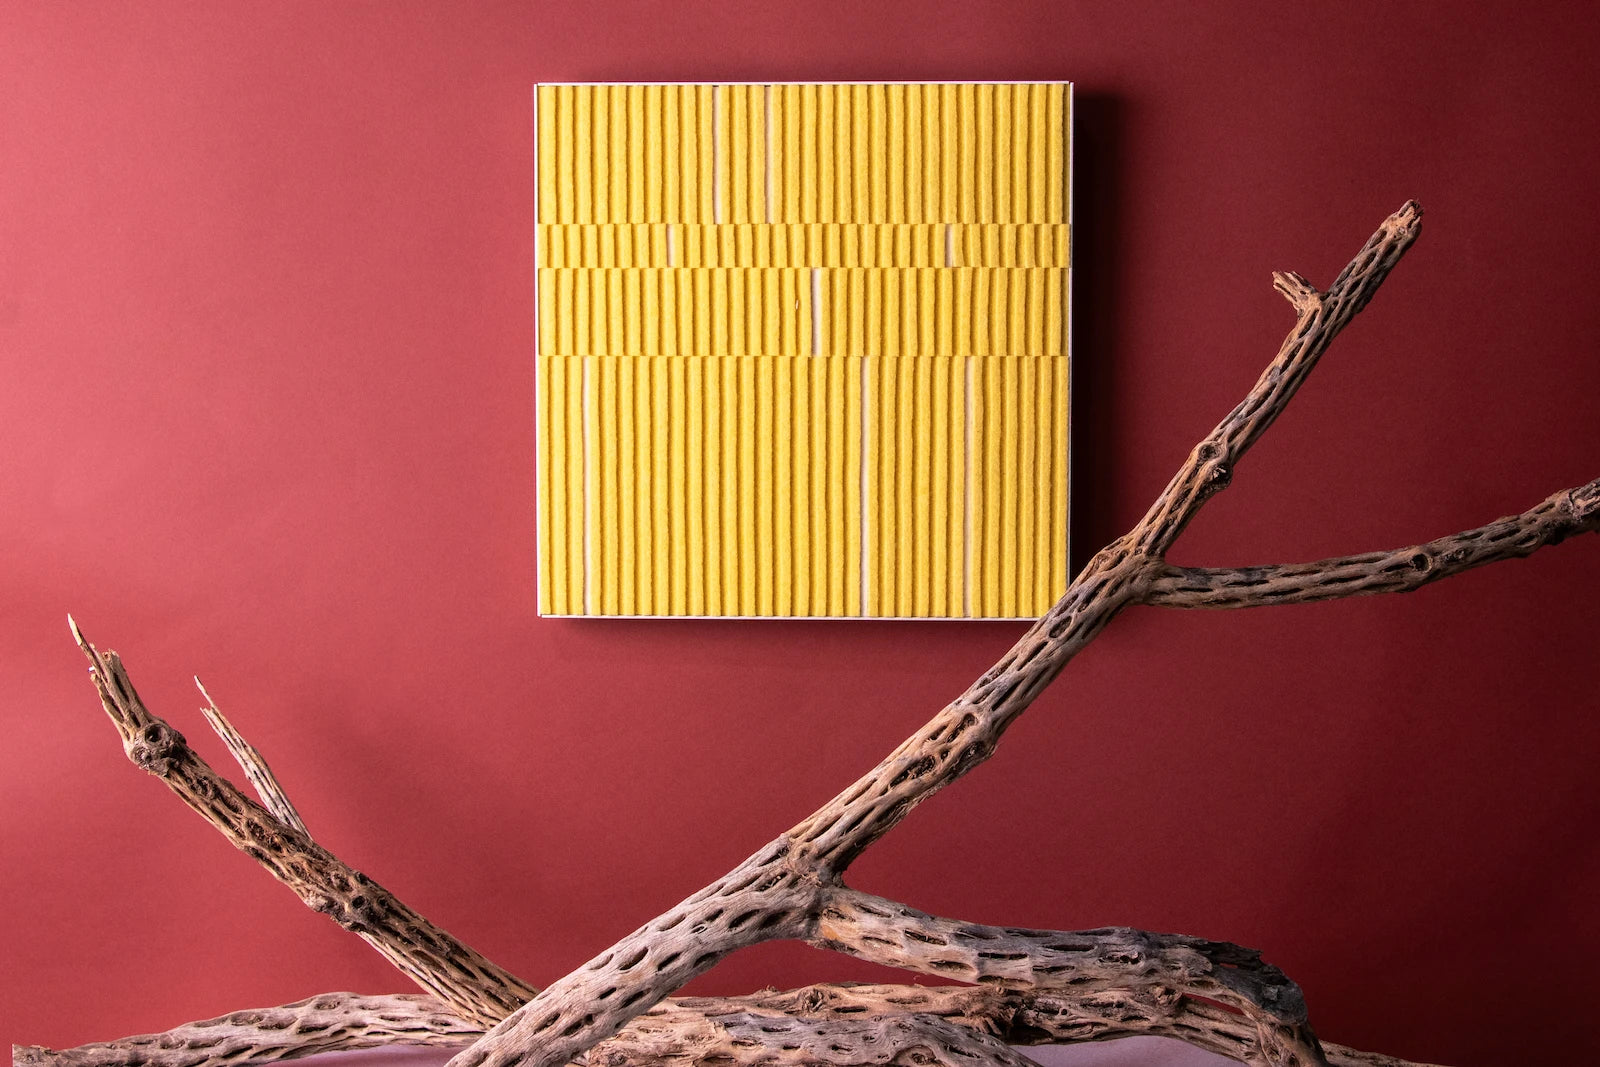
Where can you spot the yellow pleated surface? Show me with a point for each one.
(803, 350)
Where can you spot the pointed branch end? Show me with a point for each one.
(1584, 504)
(1299, 292)
(1408, 219)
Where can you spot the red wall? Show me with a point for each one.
(266, 416)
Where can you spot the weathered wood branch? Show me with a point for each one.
(1551, 521)
(834, 1025)
(1116, 961)
(1089, 986)
(1129, 966)
(332, 1022)
(474, 987)
(779, 890)
(255, 768)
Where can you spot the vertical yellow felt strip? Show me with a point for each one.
(757, 117)
(993, 476)
(546, 431)
(563, 312)
(820, 372)
(827, 152)
(874, 317)
(717, 311)
(927, 304)
(694, 313)
(874, 542)
(1017, 311)
(582, 154)
(773, 312)
(603, 173)
(714, 500)
(781, 477)
(1043, 479)
(841, 488)
(673, 159)
(921, 565)
(696, 453)
(631, 312)
(879, 151)
(734, 165)
(1056, 118)
(977, 478)
(846, 161)
(801, 502)
(1003, 161)
(937, 495)
(629, 485)
(1010, 477)
(615, 319)
(648, 492)
(676, 371)
(965, 301)
(564, 102)
(740, 294)
(960, 487)
(945, 345)
(582, 416)
(667, 308)
(1039, 138)
(1063, 472)
(951, 176)
(1038, 284)
(583, 312)
(653, 162)
(851, 476)
(603, 513)
(1022, 154)
(811, 134)
(690, 154)
(706, 210)
(613, 99)
(1027, 477)
(659, 590)
(548, 209)
(760, 451)
(984, 146)
(734, 421)
(1055, 318)
(635, 138)
(749, 405)
(861, 136)
(907, 479)
(908, 174)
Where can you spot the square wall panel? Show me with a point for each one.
(803, 349)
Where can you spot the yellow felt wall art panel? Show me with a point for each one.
(803, 349)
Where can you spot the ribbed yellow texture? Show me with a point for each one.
(711, 443)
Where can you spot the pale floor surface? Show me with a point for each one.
(1128, 1052)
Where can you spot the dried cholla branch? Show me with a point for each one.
(778, 892)
(835, 1025)
(785, 889)
(332, 1022)
(255, 768)
(1551, 521)
(474, 988)
(1093, 962)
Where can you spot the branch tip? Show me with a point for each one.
(1299, 292)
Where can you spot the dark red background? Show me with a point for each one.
(266, 415)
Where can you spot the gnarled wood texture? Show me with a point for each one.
(475, 988)
(834, 1025)
(1032, 985)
